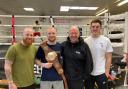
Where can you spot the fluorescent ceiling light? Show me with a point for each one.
(122, 3)
(67, 8)
(82, 8)
(89, 8)
(64, 8)
(101, 12)
(74, 7)
(28, 9)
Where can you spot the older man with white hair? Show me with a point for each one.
(77, 59)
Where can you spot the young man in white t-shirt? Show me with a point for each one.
(101, 50)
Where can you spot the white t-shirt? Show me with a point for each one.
(99, 46)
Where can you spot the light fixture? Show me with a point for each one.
(28, 9)
(82, 8)
(101, 12)
(122, 2)
(64, 8)
(67, 8)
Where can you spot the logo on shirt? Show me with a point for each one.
(77, 52)
(102, 45)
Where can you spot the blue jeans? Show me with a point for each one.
(100, 80)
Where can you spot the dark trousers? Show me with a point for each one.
(100, 81)
(75, 84)
(28, 87)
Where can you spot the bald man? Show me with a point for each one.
(77, 59)
(50, 79)
(19, 62)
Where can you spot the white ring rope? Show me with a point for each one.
(116, 36)
(36, 37)
(27, 16)
(117, 17)
(116, 27)
(115, 44)
(39, 25)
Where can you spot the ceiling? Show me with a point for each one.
(52, 7)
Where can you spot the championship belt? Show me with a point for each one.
(52, 57)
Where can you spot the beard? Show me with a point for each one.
(28, 41)
(52, 39)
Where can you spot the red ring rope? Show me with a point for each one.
(13, 30)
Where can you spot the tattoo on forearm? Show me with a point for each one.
(8, 71)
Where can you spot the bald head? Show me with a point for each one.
(28, 36)
(51, 29)
(74, 34)
(27, 30)
(74, 30)
(51, 34)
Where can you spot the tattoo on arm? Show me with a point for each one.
(8, 70)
